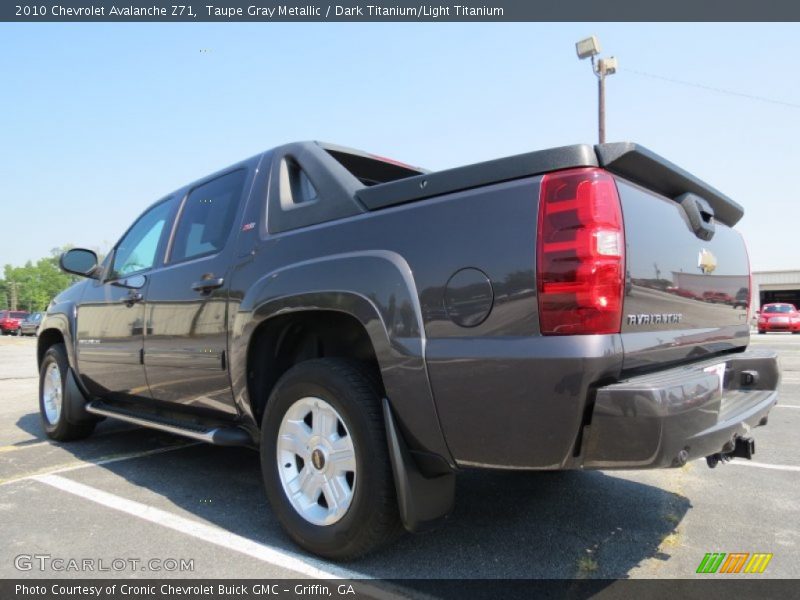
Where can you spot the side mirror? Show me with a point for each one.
(79, 261)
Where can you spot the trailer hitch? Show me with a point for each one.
(742, 448)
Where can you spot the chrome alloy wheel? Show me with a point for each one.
(52, 394)
(316, 461)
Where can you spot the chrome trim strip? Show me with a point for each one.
(207, 436)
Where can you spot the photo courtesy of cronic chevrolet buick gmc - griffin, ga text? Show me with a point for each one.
(373, 328)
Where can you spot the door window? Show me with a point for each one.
(207, 217)
(137, 250)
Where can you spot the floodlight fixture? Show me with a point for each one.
(588, 47)
(608, 65)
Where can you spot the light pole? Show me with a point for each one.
(589, 48)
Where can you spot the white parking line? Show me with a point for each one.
(764, 465)
(215, 535)
(23, 446)
(207, 533)
(35, 442)
(105, 460)
(786, 406)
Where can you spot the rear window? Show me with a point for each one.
(18, 315)
(207, 217)
(779, 308)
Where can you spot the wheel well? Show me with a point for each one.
(46, 339)
(281, 342)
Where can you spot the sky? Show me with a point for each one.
(97, 121)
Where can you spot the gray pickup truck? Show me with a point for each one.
(373, 328)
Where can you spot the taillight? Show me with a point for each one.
(580, 253)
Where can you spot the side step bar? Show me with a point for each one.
(221, 435)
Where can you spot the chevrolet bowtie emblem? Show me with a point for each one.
(706, 261)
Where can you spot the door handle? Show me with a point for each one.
(204, 286)
(132, 298)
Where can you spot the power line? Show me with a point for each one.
(712, 89)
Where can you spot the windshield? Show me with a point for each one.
(779, 308)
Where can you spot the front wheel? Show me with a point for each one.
(54, 398)
(325, 460)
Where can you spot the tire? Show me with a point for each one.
(761, 332)
(54, 398)
(371, 517)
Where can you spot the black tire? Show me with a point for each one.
(372, 518)
(62, 429)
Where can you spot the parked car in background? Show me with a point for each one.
(779, 316)
(30, 324)
(742, 299)
(717, 297)
(10, 320)
(683, 293)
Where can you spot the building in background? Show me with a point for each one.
(775, 286)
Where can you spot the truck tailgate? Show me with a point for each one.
(685, 297)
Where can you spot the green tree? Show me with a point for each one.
(36, 283)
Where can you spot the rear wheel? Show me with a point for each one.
(54, 398)
(325, 459)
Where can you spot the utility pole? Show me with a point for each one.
(590, 48)
(601, 102)
(13, 293)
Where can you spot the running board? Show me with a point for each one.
(220, 435)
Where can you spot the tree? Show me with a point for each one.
(36, 284)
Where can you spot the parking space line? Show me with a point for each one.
(22, 446)
(36, 442)
(105, 460)
(764, 466)
(218, 536)
(786, 406)
(208, 533)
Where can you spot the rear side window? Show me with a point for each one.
(207, 217)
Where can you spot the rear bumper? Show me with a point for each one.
(667, 418)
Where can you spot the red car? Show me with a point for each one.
(10, 319)
(779, 317)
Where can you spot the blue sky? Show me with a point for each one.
(99, 120)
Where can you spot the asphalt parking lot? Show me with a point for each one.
(138, 495)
